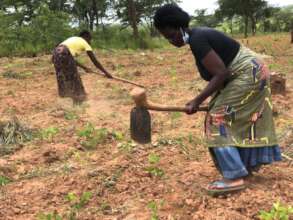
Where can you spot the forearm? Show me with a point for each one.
(99, 66)
(214, 85)
(97, 63)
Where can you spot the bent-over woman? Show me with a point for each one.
(239, 124)
(68, 78)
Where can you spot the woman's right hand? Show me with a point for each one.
(192, 106)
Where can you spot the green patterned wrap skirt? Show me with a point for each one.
(240, 114)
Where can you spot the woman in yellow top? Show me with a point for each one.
(68, 79)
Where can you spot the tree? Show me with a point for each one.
(249, 10)
(132, 13)
(201, 18)
(132, 18)
(90, 12)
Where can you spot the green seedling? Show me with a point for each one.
(153, 207)
(278, 212)
(14, 75)
(49, 133)
(78, 203)
(70, 116)
(117, 135)
(4, 180)
(127, 147)
(91, 137)
(49, 216)
(154, 158)
(153, 169)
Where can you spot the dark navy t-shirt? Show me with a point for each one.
(203, 39)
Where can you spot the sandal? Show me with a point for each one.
(220, 188)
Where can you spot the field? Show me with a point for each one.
(81, 162)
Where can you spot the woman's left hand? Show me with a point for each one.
(192, 106)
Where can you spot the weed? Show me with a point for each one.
(48, 133)
(49, 216)
(4, 180)
(76, 203)
(92, 136)
(153, 169)
(278, 212)
(67, 168)
(117, 135)
(127, 147)
(86, 131)
(70, 115)
(154, 158)
(14, 75)
(273, 66)
(154, 210)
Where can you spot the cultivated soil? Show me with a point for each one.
(162, 180)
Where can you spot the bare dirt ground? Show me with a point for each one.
(163, 180)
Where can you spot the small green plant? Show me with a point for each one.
(154, 210)
(4, 180)
(274, 66)
(49, 133)
(49, 216)
(154, 158)
(70, 115)
(86, 131)
(117, 135)
(127, 147)
(14, 75)
(278, 212)
(76, 203)
(153, 169)
(92, 136)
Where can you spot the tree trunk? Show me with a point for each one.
(231, 26)
(95, 12)
(292, 32)
(253, 26)
(245, 26)
(132, 17)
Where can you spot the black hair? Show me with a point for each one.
(84, 33)
(171, 15)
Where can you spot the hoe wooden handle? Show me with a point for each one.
(158, 107)
(123, 80)
(127, 81)
(139, 96)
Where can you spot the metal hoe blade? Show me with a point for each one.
(140, 125)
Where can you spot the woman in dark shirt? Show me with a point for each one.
(239, 125)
